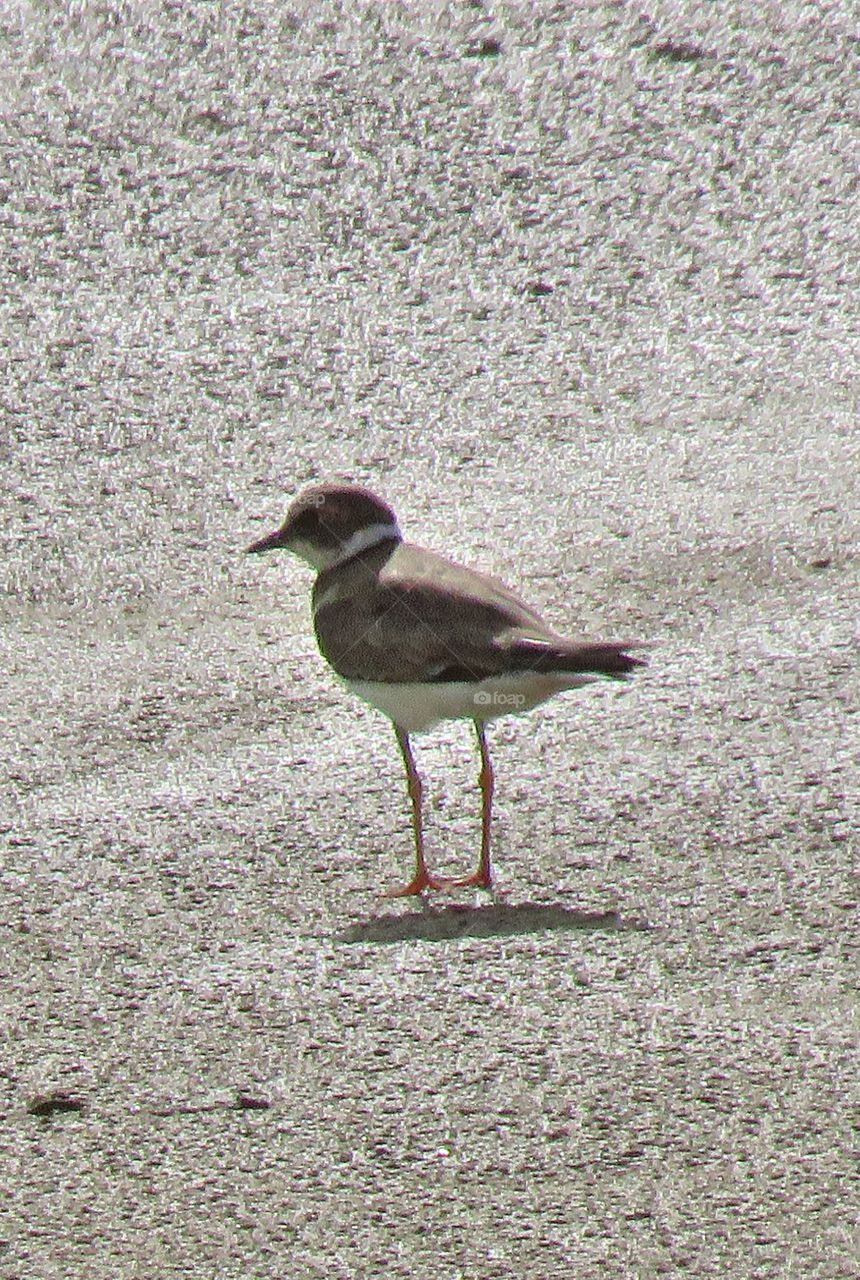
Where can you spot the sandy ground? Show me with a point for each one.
(576, 288)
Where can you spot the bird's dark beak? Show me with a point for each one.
(269, 543)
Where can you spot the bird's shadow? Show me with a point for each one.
(497, 920)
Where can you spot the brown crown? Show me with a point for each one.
(329, 514)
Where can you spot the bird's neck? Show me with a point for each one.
(362, 540)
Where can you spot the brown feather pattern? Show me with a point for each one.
(390, 615)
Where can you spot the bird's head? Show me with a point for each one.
(330, 523)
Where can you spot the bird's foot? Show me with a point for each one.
(420, 881)
(480, 879)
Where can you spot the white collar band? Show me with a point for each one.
(363, 539)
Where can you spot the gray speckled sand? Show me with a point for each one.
(584, 307)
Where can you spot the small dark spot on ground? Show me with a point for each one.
(48, 1104)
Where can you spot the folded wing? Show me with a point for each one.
(409, 631)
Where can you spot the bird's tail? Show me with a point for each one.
(611, 661)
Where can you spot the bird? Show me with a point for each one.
(424, 639)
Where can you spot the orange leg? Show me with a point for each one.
(483, 877)
(422, 879)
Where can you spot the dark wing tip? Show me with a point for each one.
(620, 663)
(617, 661)
(611, 660)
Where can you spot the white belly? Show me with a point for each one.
(418, 706)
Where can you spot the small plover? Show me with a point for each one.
(423, 639)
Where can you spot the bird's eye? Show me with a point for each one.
(306, 521)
